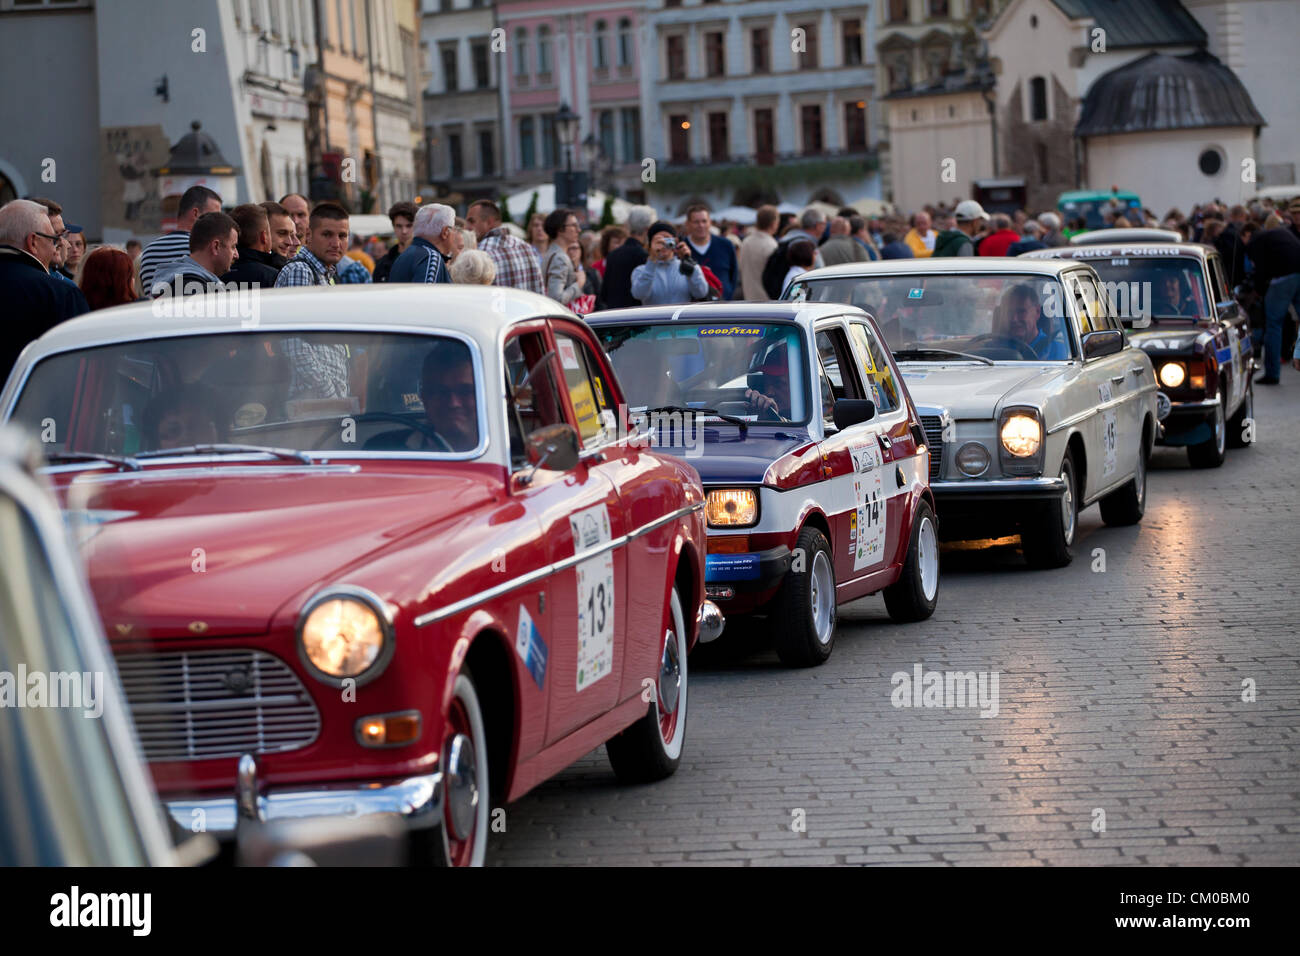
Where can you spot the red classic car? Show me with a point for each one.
(375, 550)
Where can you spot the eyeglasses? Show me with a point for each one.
(54, 239)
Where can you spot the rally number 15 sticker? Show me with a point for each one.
(595, 596)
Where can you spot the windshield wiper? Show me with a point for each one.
(122, 461)
(289, 454)
(925, 350)
(729, 419)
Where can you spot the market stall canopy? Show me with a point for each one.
(518, 202)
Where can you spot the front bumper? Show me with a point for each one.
(417, 800)
(990, 509)
(747, 572)
(1188, 423)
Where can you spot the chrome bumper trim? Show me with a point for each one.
(1000, 486)
(418, 800)
(711, 622)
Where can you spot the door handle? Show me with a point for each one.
(1117, 379)
(1137, 369)
(885, 442)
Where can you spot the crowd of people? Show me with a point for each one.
(47, 274)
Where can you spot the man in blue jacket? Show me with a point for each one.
(33, 301)
(716, 252)
(436, 241)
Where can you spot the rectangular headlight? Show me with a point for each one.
(732, 507)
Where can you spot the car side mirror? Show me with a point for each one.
(853, 411)
(1226, 308)
(1105, 342)
(554, 447)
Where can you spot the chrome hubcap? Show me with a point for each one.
(462, 786)
(927, 558)
(1067, 506)
(670, 675)
(822, 596)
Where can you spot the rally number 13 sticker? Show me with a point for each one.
(595, 596)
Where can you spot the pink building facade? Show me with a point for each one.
(587, 55)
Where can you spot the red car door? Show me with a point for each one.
(588, 594)
(857, 458)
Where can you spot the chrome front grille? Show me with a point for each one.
(933, 426)
(202, 704)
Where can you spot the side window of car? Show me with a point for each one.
(1086, 304)
(875, 368)
(1221, 293)
(839, 376)
(532, 398)
(587, 391)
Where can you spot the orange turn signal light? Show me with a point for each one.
(389, 730)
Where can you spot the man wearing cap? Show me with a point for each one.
(669, 275)
(958, 238)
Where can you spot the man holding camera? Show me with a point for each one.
(670, 276)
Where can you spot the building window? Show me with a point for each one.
(275, 17)
(900, 73)
(527, 145)
(599, 53)
(935, 63)
(715, 53)
(450, 75)
(719, 143)
(1038, 98)
(630, 118)
(809, 59)
(521, 52)
(852, 42)
(760, 46)
(938, 9)
(676, 54)
(898, 12)
(487, 162)
(605, 132)
(550, 141)
(624, 42)
(679, 138)
(352, 19)
(764, 137)
(855, 125)
(455, 164)
(543, 54)
(1210, 162)
(810, 124)
(482, 72)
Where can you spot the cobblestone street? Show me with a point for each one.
(1120, 695)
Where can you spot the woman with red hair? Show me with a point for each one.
(108, 278)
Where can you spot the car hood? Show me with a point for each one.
(723, 457)
(217, 550)
(1168, 339)
(974, 391)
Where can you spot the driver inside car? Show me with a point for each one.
(181, 416)
(769, 390)
(450, 406)
(1020, 319)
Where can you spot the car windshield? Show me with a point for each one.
(753, 371)
(339, 392)
(1161, 288)
(997, 317)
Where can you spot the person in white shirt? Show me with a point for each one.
(801, 255)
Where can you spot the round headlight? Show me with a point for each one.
(342, 636)
(1172, 374)
(973, 459)
(1021, 435)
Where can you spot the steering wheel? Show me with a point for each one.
(419, 425)
(1002, 341)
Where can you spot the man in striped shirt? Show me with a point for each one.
(436, 240)
(195, 201)
(516, 260)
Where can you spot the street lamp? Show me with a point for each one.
(571, 193)
(566, 124)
